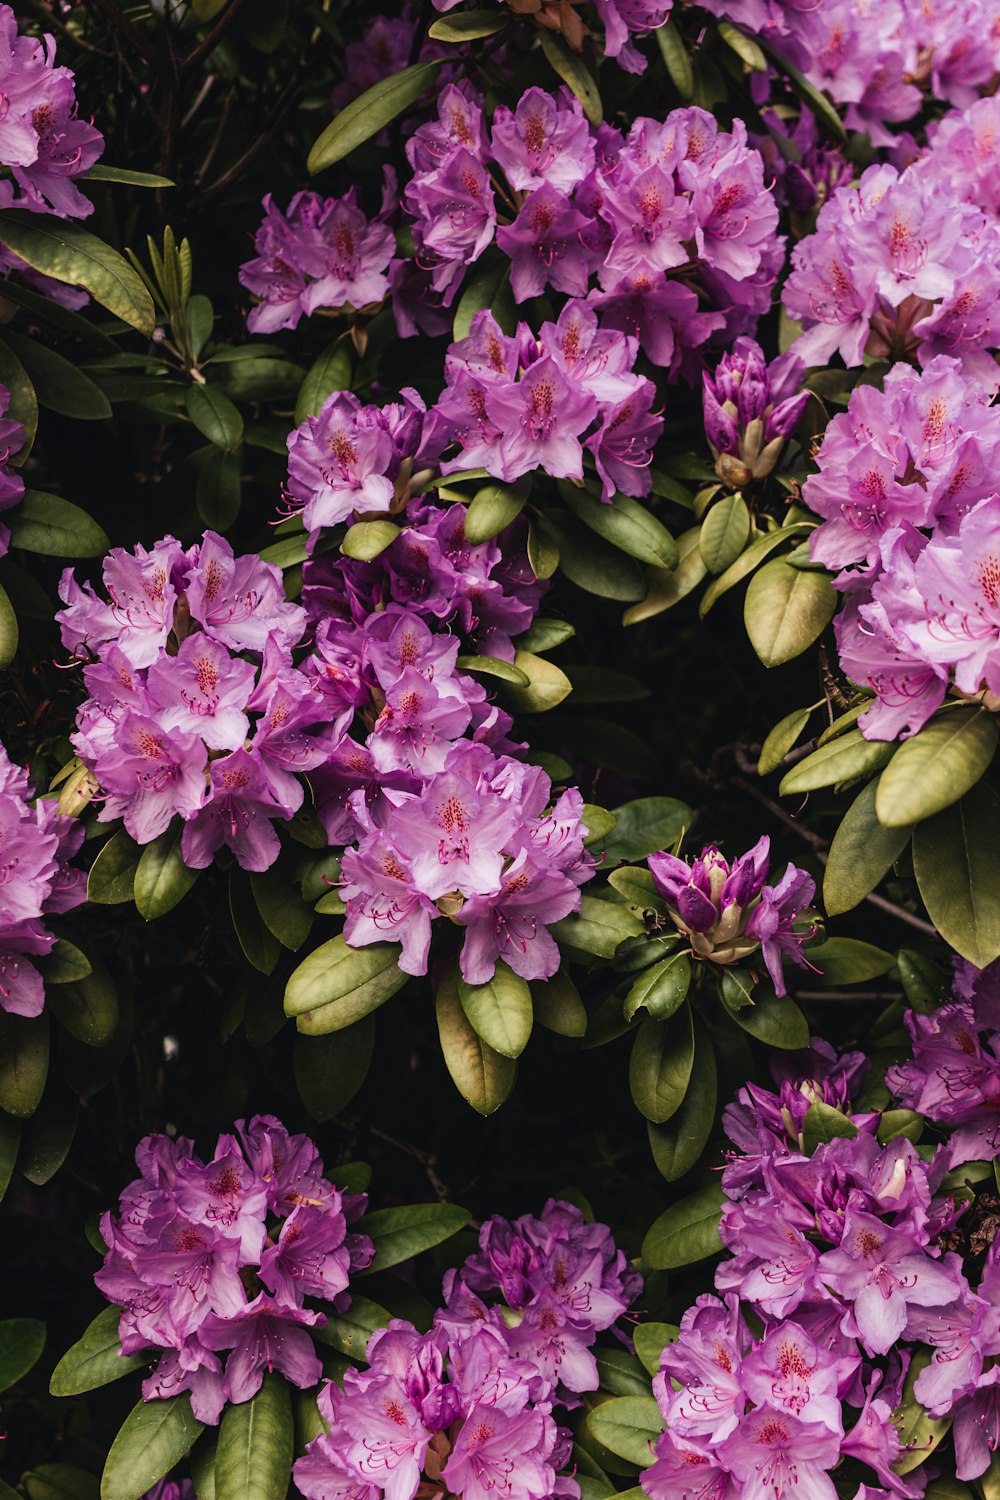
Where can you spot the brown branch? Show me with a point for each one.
(214, 37)
(278, 115)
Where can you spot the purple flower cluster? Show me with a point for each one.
(836, 1277)
(906, 491)
(673, 215)
(320, 254)
(195, 709)
(42, 142)
(728, 913)
(217, 1258)
(36, 880)
(750, 408)
(466, 1409)
(440, 824)
(953, 1077)
(903, 263)
(562, 1281)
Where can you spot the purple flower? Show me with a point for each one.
(778, 1457)
(545, 245)
(544, 140)
(540, 419)
(776, 922)
(239, 812)
(750, 407)
(148, 774)
(511, 923)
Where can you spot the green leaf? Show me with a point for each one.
(260, 947)
(862, 852)
(202, 1466)
(677, 59)
(64, 964)
(825, 112)
(624, 523)
(781, 739)
(593, 565)
(773, 1019)
(620, 1372)
(687, 1232)
(493, 507)
(646, 826)
(606, 685)
(547, 685)
(24, 1062)
(724, 533)
(744, 565)
(21, 1343)
(398, 1234)
(467, 26)
(154, 1436)
(638, 887)
(88, 1007)
(59, 1482)
(9, 634)
(822, 1124)
(919, 1433)
(366, 540)
(253, 1460)
(668, 589)
(543, 549)
(330, 372)
(349, 1332)
(490, 666)
(661, 1064)
(337, 985)
(899, 1122)
(936, 767)
(370, 113)
(744, 46)
(923, 981)
(954, 1489)
(251, 378)
(598, 822)
(597, 928)
(661, 989)
(650, 1339)
(483, 1077)
(285, 914)
(785, 610)
(573, 72)
(60, 385)
(215, 416)
(10, 1140)
(956, 859)
(557, 1005)
(487, 286)
(848, 961)
(500, 1010)
(330, 1069)
(102, 172)
(49, 1135)
(605, 743)
(23, 405)
(628, 1426)
(55, 527)
(72, 255)
(162, 879)
(678, 1144)
(95, 1359)
(842, 759)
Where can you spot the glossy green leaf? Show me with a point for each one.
(785, 610)
(822, 1124)
(842, 759)
(899, 1122)
(547, 685)
(677, 59)
(162, 879)
(337, 985)
(60, 385)
(349, 1332)
(215, 416)
(367, 540)
(285, 914)
(488, 285)
(667, 589)
(557, 1005)
(637, 885)
(724, 533)
(625, 523)
(924, 982)
(773, 1019)
(154, 1436)
(260, 947)
(661, 989)
(400, 1233)
(628, 1426)
(249, 378)
(490, 666)
(88, 1007)
(9, 634)
(330, 372)
(24, 1062)
(500, 1010)
(744, 46)
(330, 1069)
(467, 26)
(10, 1140)
(253, 1460)
(919, 1433)
(219, 492)
(760, 548)
(620, 1372)
(58, 1482)
(55, 527)
(782, 737)
(936, 767)
(645, 826)
(365, 116)
(21, 1343)
(597, 928)
(598, 823)
(573, 71)
(687, 1232)
(593, 564)
(482, 1076)
(862, 852)
(493, 507)
(102, 172)
(956, 859)
(545, 634)
(543, 549)
(23, 404)
(61, 249)
(95, 1359)
(660, 1066)
(650, 1339)
(848, 961)
(677, 1144)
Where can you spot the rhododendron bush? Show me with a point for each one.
(499, 824)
